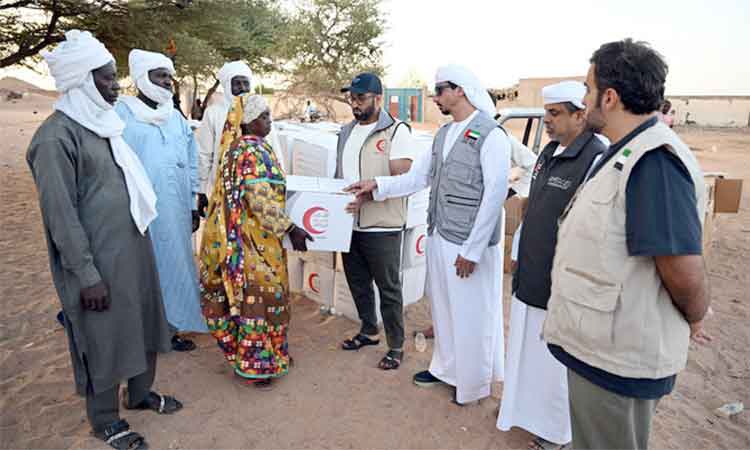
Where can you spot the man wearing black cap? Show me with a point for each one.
(375, 144)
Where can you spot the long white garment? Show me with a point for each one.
(467, 313)
(208, 136)
(535, 391)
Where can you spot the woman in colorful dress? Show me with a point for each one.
(244, 282)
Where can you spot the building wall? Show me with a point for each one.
(713, 111)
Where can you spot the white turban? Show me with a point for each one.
(564, 91)
(475, 92)
(74, 58)
(254, 106)
(72, 63)
(231, 70)
(140, 63)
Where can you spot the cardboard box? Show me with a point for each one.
(414, 246)
(412, 284)
(318, 205)
(312, 153)
(319, 284)
(513, 214)
(416, 208)
(507, 250)
(321, 258)
(727, 195)
(296, 268)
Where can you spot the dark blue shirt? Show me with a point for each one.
(660, 220)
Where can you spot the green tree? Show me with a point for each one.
(329, 42)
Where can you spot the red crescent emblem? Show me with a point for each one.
(380, 146)
(420, 245)
(307, 220)
(311, 282)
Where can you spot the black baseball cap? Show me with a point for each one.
(365, 82)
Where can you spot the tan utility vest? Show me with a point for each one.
(607, 308)
(374, 161)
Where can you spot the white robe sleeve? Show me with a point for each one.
(495, 161)
(205, 136)
(416, 179)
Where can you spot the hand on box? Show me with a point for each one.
(362, 188)
(299, 237)
(359, 200)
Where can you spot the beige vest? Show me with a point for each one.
(607, 308)
(374, 160)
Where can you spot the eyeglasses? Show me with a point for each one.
(361, 98)
(440, 87)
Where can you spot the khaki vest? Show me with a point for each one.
(607, 308)
(374, 160)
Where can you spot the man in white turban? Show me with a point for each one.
(165, 145)
(236, 79)
(468, 173)
(97, 203)
(535, 391)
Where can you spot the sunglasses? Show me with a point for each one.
(360, 98)
(440, 87)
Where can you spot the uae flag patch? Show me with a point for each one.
(621, 159)
(472, 135)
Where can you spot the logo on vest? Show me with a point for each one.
(560, 183)
(380, 146)
(313, 281)
(419, 245)
(315, 220)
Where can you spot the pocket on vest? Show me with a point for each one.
(590, 303)
(462, 173)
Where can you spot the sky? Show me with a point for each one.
(705, 42)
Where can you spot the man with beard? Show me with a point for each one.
(375, 144)
(535, 392)
(97, 203)
(467, 170)
(629, 286)
(165, 145)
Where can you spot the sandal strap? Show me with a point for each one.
(162, 403)
(119, 436)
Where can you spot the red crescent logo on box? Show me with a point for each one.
(315, 220)
(420, 245)
(312, 281)
(380, 146)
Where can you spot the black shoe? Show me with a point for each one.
(182, 345)
(426, 379)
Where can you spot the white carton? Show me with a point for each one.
(295, 267)
(319, 206)
(412, 284)
(313, 153)
(415, 243)
(324, 259)
(318, 284)
(416, 208)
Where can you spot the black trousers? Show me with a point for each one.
(377, 256)
(104, 408)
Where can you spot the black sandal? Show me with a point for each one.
(161, 404)
(391, 360)
(180, 344)
(358, 342)
(118, 436)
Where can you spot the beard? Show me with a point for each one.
(595, 120)
(363, 114)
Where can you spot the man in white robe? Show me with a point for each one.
(535, 391)
(236, 79)
(464, 261)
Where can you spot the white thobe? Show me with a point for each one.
(467, 313)
(524, 159)
(535, 391)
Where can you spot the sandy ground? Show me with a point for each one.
(331, 398)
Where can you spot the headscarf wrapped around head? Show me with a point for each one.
(74, 58)
(140, 63)
(565, 91)
(229, 71)
(254, 106)
(473, 88)
(72, 63)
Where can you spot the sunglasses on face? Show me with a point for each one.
(440, 87)
(359, 99)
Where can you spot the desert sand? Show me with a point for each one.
(331, 398)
